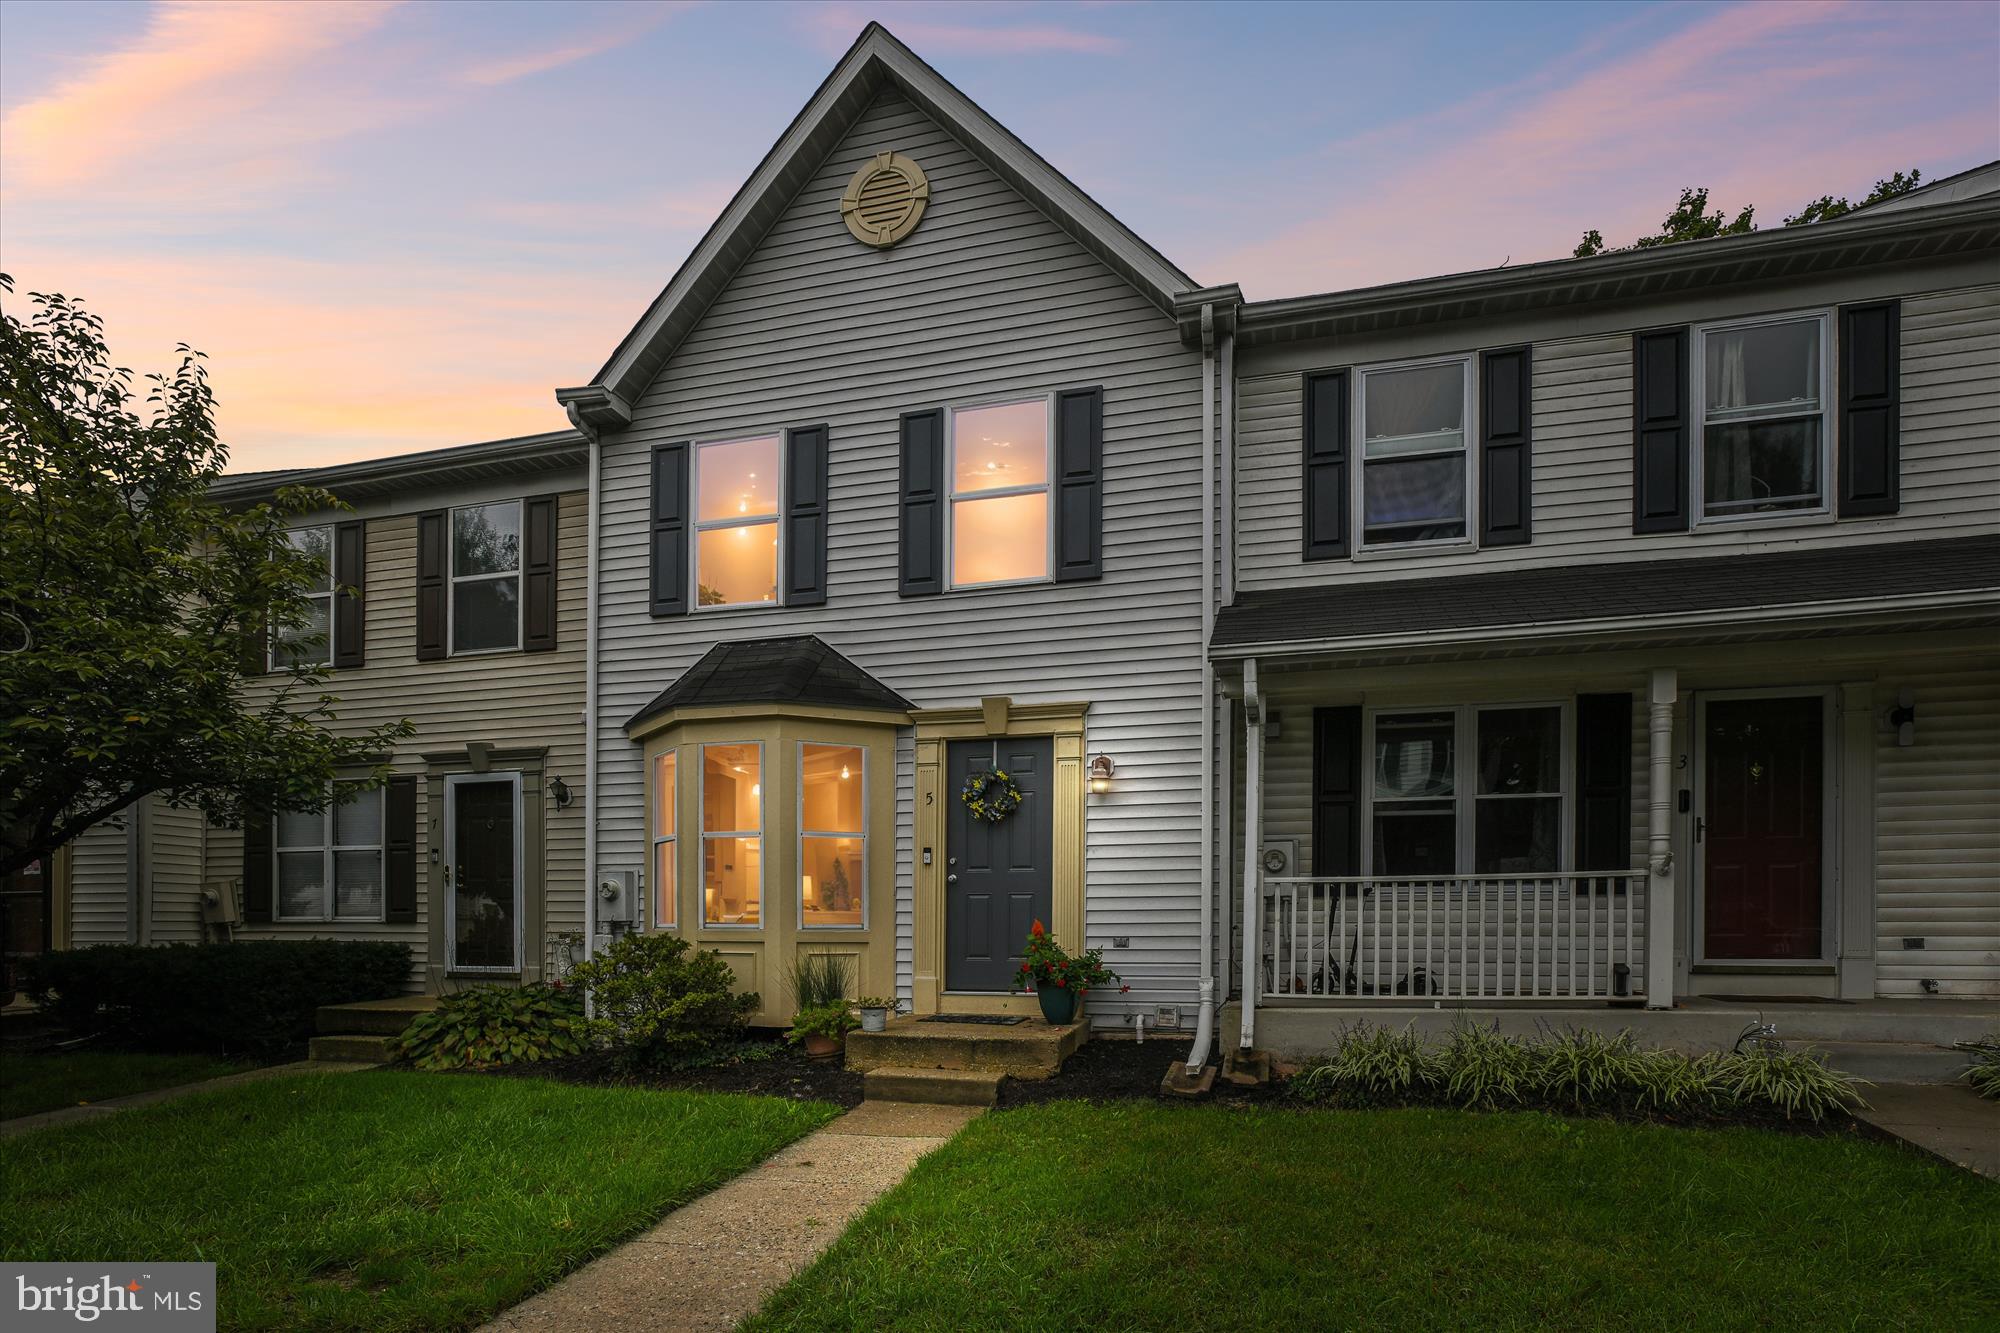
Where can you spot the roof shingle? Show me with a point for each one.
(799, 669)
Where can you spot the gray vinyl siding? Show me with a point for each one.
(987, 298)
(173, 873)
(1583, 450)
(512, 700)
(99, 887)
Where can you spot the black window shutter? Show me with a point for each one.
(1661, 431)
(538, 576)
(1506, 417)
(433, 534)
(399, 849)
(1871, 356)
(669, 557)
(1079, 500)
(253, 652)
(350, 558)
(1326, 465)
(1603, 782)
(922, 541)
(1336, 788)
(805, 516)
(256, 867)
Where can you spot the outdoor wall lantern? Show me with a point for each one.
(559, 792)
(1903, 717)
(1100, 773)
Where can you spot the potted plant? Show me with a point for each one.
(820, 1028)
(875, 1012)
(1060, 980)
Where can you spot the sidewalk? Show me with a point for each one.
(69, 1115)
(1947, 1120)
(711, 1264)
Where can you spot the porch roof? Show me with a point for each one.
(800, 669)
(1620, 594)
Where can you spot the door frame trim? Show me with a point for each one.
(1829, 798)
(993, 718)
(452, 782)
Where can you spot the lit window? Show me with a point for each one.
(665, 821)
(310, 644)
(736, 522)
(833, 837)
(1510, 761)
(329, 864)
(732, 822)
(486, 577)
(1414, 478)
(1764, 417)
(999, 464)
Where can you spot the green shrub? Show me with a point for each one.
(495, 1025)
(833, 1020)
(819, 979)
(660, 1001)
(1478, 1068)
(1984, 1071)
(251, 996)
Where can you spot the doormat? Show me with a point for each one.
(992, 1020)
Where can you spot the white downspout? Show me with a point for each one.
(1204, 1028)
(1660, 841)
(592, 437)
(1226, 446)
(1253, 827)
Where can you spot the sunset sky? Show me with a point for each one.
(400, 226)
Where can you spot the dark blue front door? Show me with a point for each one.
(997, 876)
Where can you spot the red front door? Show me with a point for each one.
(1761, 844)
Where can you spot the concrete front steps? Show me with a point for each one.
(957, 1064)
(362, 1031)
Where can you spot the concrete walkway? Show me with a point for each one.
(1947, 1120)
(711, 1264)
(69, 1115)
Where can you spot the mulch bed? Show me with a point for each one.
(778, 1069)
(1109, 1069)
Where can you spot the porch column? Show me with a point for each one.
(1253, 836)
(1854, 880)
(1660, 841)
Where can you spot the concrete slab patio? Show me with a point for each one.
(1946, 1120)
(711, 1264)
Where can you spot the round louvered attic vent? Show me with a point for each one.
(885, 200)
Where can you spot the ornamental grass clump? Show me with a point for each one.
(1984, 1071)
(1374, 1067)
(486, 1026)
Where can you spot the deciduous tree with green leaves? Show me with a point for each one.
(1691, 220)
(132, 603)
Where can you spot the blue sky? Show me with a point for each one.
(398, 226)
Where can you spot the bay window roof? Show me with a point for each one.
(798, 670)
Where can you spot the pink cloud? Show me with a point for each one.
(836, 29)
(644, 18)
(1765, 104)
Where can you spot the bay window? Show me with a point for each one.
(833, 839)
(1765, 431)
(736, 522)
(486, 577)
(666, 822)
(1473, 790)
(1415, 422)
(310, 644)
(329, 863)
(998, 461)
(732, 827)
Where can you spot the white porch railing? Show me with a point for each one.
(1468, 937)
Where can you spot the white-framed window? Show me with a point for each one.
(732, 834)
(486, 577)
(1764, 387)
(666, 822)
(1475, 789)
(310, 644)
(1415, 427)
(833, 836)
(737, 502)
(329, 864)
(998, 525)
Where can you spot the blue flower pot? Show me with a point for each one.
(1059, 1004)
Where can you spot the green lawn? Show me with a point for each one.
(43, 1082)
(380, 1200)
(1073, 1216)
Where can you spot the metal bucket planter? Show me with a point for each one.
(874, 1020)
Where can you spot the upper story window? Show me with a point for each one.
(1477, 790)
(736, 522)
(732, 827)
(998, 460)
(1415, 473)
(1764, 423)
(486, 577)
(310, 644)
(833, 836)
(330, 863)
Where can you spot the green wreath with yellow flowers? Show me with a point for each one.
(990, 795)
